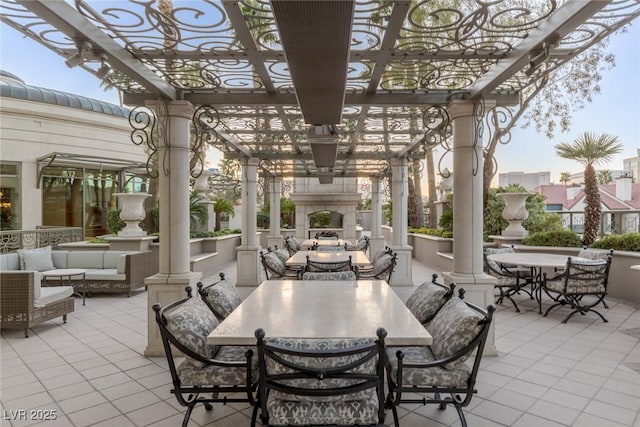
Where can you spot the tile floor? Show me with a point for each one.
(91, 371)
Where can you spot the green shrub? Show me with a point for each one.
(262, 220)
(114, 223)
(561, 238)
(619, 242)
(438, 232)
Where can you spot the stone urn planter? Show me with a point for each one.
(515, 212)
(132, 212)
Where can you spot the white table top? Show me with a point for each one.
(321, 309)
(529, 259)
(300, 258)
(310, 242)
(63, 272)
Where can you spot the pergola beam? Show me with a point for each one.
(564, 20)
(67, 19)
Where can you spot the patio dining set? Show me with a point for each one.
(298, 362)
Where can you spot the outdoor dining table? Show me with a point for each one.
(536, 261)
(309, 243)
(299, 259)
(321, 309)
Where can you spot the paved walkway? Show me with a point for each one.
(91, 371)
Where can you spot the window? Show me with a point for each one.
(10, 196)
(554, 207)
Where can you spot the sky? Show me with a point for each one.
(615, 111)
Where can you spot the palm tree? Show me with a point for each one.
(197, 211)
(590, 149)
(605, 177)
(565, 177)
(222, 206)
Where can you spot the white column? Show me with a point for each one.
(467, 212)
(247, 252)
(174, 263)
(376, 240)
(399, 196)
(275, 238)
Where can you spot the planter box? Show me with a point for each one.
(436, 252)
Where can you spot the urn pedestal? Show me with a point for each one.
(515, 212)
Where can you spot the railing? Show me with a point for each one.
(12, 240)
(611, 222)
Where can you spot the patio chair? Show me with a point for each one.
(382, 268)
(306, 382)
(291, 246)
(330, 275)
(283, 254)
(274, 268)
(327, 266)
(459, 330)
(221, 297)
(208, 374)
(362, 244)
(511, 279)
(327, 235)
(428, 299)
(330, 248)
(582, 286)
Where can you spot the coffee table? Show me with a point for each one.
(65, 273)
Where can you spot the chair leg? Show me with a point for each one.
(187, 415)
(463, 420)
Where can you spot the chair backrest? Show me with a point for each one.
(186, 323)
(384, 266)
(428, 299)
(329, 275)
(273, 266)
(327, 235)
(362, 244)
(319, 266)
(290, 245)
(458, 329)
(492, 267)
(586, 277)
(332, 371)
(595, 254)
(377, 255)
(330, 248)
(283, 254)
(222, 297)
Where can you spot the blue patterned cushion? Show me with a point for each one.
(425, 377)
(453, 328)
(382, 264)
(329, 275)
(275, 368)
(223, 297)
(296, 243)
(191, 323)
(274, 263)
(426, 300)
(195, 373)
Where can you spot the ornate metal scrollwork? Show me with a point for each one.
(146, 132)
(205, 120)
(478, 131)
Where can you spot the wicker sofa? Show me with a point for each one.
(106, 271)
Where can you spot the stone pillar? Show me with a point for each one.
(275, 238)
(247, 252)
(174, 267)
(376, 240)
(400, 195)
(468, 214)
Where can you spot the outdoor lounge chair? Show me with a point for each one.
(582, 286)
(305, 382)
(459, 329)
(208, 374)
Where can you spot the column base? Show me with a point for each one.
(479, 291)
(164, 289)
(248, 266)
(402, 275)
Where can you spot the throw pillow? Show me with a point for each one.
(37, 259)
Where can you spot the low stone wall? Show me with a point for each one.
(436, 252)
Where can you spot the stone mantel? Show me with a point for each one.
(325, 198)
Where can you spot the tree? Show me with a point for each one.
(605, 177)
(197, 211)
(590, 149)
(222, 206)
(565, 177)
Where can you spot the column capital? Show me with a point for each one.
(460, 108)
(183, 109)
(250, 161)
(398, 161)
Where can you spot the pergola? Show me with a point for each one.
(317, 89)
